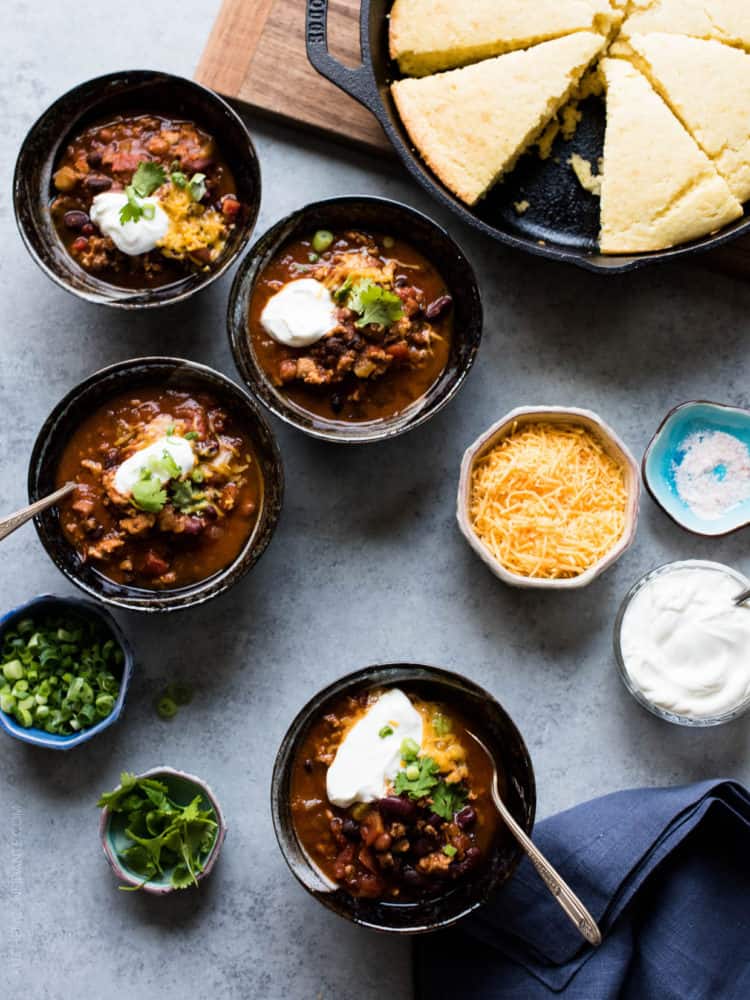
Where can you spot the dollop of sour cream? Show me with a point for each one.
(130, 237)
(686, 645)
(366, 761)
(131, 470)
(300, 314)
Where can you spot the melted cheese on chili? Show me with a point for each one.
(192, 227)
(548, 501)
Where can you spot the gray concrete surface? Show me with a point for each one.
(367, 566)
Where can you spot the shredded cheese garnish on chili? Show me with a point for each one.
(192, 226)
(548, 501)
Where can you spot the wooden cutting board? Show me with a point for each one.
(256, 54)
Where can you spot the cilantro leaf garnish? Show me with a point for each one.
(132, 210)
(447, 799)
(147, 178)
(164, 834)
(147, 494)
(375, 304)
(420, 786)
(182, 494)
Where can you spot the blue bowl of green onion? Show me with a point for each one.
(65, 667)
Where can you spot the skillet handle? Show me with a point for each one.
(356, 82)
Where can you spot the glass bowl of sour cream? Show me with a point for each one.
(683, 646)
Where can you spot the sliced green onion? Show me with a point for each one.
(385, 731)
(441, 724)
(409, 749)
(450, 850)
(322, 240)
(166, 707)
(412, 772)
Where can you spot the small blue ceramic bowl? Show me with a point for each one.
(85, 609)
(666, 452)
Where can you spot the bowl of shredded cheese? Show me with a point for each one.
(548, 497)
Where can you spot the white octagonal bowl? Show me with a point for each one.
(611, 443)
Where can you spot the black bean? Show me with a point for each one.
(434, 820)
(438, 307)
(466, 818)
(337, 403)
(422, 847)
(350, 829)
(393, 807)
(469, 862)
(75, 220)
(96, 182)
(413, 878)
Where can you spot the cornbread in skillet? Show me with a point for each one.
(724, 20)
(431, 35)
(659, 187)
(471, 125)
(707, 85)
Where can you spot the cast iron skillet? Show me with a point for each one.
(563, 220)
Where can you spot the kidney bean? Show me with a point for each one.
(75, 219)
(94, 158)
(192, 526)
(88, 230)
(438, 307)
(79, 245)
(197, 164)
(467, 817)
(434, 820)
(97, 183)
(154, 565)
(394, 807)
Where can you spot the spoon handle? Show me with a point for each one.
(559, 888)
(744, 596)
(12, 521)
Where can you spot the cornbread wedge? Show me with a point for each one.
(659, 188)
(723, 20)
(431, 35)
(472, 124)
(707, 85)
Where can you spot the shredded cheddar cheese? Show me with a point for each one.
(548, 501)
(192, 226)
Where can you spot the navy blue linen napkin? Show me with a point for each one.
(664, 871)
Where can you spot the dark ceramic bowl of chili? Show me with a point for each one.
(399, 324)
(179, 484)
(432, 848)
(169, 154)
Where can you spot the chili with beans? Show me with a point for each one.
(359, 371)
(105, 157)
(175, 527)
(398, 848)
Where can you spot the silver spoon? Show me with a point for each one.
(744, 596)
(12, 521)
(571, 904)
